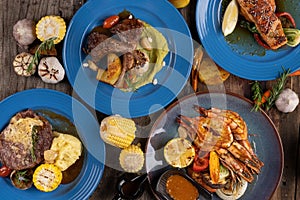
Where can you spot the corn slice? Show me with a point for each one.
(132, 159)
(47, 177)
(117, 131)
(51, 26)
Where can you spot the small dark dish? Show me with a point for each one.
(162, 181)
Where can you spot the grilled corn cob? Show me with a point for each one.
(47, 177)
(49, 27)
(132, 159)
(117, 131)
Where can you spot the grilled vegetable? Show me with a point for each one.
(117, 131)
(288, 16)
(132, 159)
(113, 71)
(293, 36)
(23, 65)
(214, 167)
(200, 164)
(47, 177)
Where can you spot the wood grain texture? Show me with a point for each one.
(288, 125)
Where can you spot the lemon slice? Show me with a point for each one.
(230, 18)
(179, 152)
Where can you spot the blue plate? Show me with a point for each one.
(87, 127)
(238, 53)
(262, 135)
(147, 99)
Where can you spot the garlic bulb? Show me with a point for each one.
(287, 101)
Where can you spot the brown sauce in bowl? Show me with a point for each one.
(179, 188)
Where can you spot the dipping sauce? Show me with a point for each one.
(179, 188)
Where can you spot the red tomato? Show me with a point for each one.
(200, 164)
(4, 171)
(111, 21)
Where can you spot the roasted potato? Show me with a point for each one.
(113, 71)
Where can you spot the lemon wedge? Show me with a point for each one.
(230, 18)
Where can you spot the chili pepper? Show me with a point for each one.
(260, 42)
(287, 16)
(111, 21)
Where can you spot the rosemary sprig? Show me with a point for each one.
(277, 89)
(21, 176)
(34, 137)
(274, 92)
(44, 46)
(256, 89)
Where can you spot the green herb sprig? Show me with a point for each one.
(22, 176)
(44, 46)
(34, 138)
(276, 89)
(257, 92)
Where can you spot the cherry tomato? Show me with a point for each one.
(4, 171)
(111, 21)
(200, 164)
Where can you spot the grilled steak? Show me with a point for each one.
(94, 39)
(262, 14)
(129, 30)
(110, 45)
(24, 140)
(127, 35)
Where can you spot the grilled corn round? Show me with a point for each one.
(47, 177)
(132, 159)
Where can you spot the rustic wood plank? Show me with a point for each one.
(11, 12)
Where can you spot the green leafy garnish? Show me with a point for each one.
(44, 46)
(266, 102)
(34, 138)
(277, 89)
(21, 175)
(257, 92)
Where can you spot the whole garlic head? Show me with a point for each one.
(24, 32)
(50, 70)
(287, 101)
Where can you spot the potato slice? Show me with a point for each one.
(113, 71)
(210, 73)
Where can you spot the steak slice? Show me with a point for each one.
(129, 30)
(262, 14)
(24, 140)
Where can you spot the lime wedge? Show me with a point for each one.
(230, 18)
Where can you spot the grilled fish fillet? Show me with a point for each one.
(262, 14)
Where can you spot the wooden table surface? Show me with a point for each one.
(13, 10)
